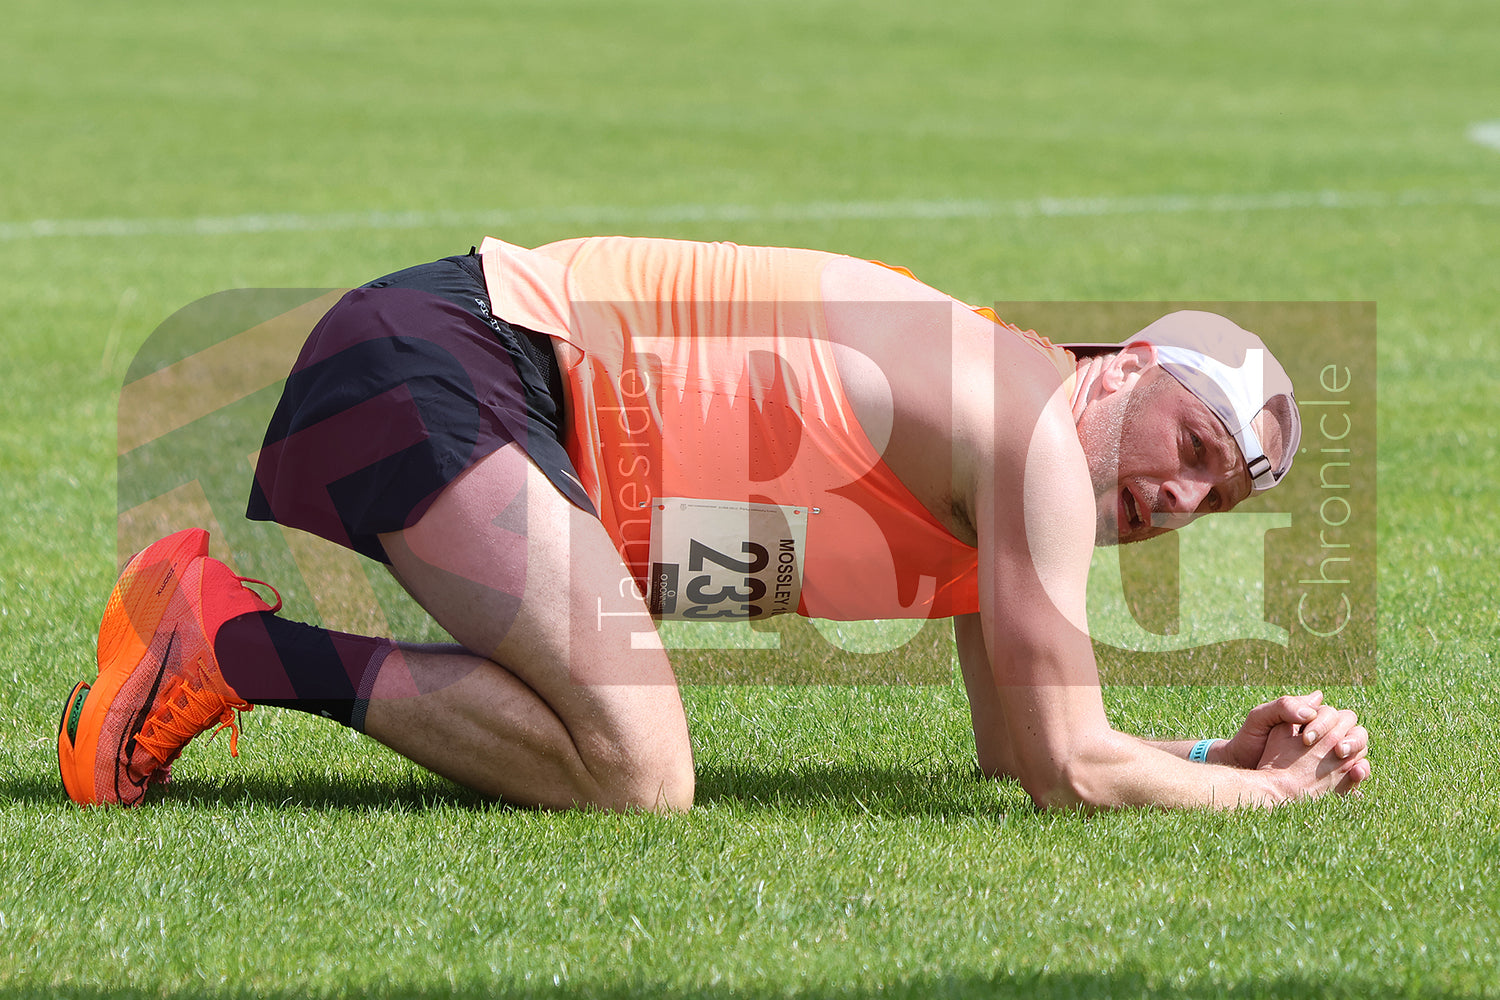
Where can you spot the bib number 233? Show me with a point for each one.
(717, 560)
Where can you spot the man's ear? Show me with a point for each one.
(1127, 366)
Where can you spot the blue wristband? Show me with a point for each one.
(1199, 752)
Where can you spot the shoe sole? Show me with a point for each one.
(131, 617)
(66, 765)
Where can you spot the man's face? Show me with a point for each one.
(1158, 458)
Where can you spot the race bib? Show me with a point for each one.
(723, 560)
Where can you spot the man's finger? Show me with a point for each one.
(1328, 720)
(1353, 778)
(1293, 708)
(1299, 706)
(1331, 726)
(1355, 741)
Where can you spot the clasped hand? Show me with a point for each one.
(1313, 748)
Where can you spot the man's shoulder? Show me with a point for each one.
(1021, 475)
(1009, 394)
(1037, 508)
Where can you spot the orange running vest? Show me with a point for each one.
(708, 425)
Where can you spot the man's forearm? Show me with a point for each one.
(1121, 770)
(1183, 748)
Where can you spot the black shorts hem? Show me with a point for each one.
(401, 386)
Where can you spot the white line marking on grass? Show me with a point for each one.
(816, 211)
(1486, 133)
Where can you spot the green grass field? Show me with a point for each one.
(152, 154)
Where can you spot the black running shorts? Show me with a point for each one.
(402, 385)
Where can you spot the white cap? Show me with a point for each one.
(1234, 374)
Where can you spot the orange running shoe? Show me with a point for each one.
(159, 683)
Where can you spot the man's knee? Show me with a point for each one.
(662, 784)
(672, 793)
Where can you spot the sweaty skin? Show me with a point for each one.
(1027, 660)
(561, 707)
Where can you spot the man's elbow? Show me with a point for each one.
(1078, 781)
(1061, 792)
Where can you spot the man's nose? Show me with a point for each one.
(1183, 495)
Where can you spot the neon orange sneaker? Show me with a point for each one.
(159, 683)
